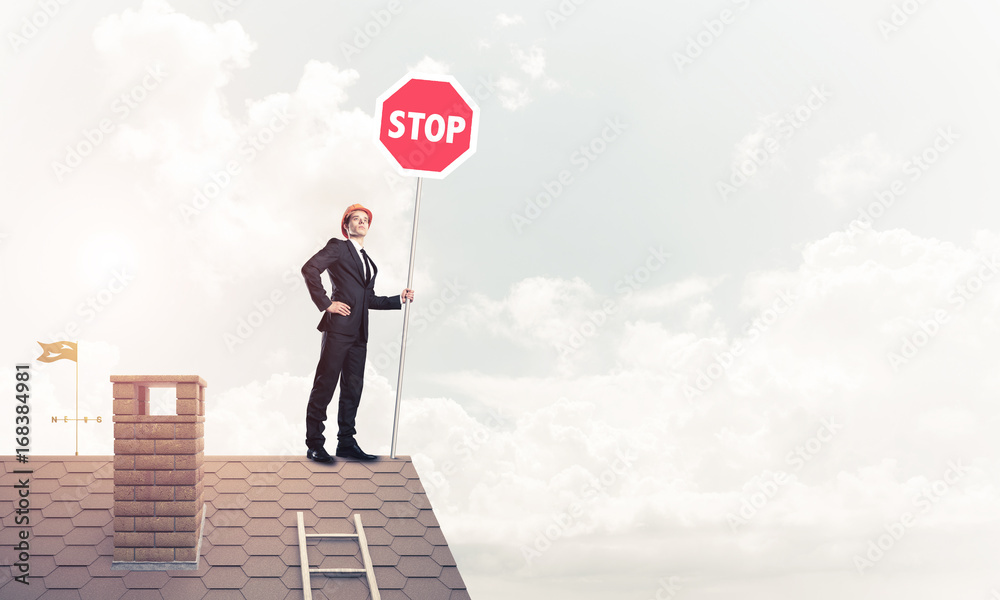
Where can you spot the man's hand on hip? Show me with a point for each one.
(339, 308)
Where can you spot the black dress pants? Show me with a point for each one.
(342, 357)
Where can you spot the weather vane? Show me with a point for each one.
(67, 350)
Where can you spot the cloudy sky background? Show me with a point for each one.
(750, 341)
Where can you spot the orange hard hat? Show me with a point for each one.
(347, 213)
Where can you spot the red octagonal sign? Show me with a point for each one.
(427, 125)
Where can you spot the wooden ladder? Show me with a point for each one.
(366, 558)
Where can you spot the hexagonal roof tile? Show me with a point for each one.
(92, 518)
(372, 518)
(142, 595)
(263, 493)
(264, 587)
(418, 566)
(331, 510)
(259, 510)
(145, 580)
(50, 470)
(425, 587)
(356, 501)
(394, 493)
(230, 501)
(47, 546)
(383, 556)
(230, 517)
(223, 594)
(45, 486)
(296, 486)
(250, 544)
(292, 579)
(294, 470)
(442, 556)
(103, 588)
(451, 578)
(405, 527)
(262, 464)
(327, 478)
(265, 546)
(55, 526)
(41, 565)
(412, 546)
(229, 536)
(225, 577)
(264, 527)
(358, 486)
(264, 566)
(290, 556)
(355, 470)
(184, 587)
(226, 556)
(388, 479)
(76, 555)
(427, 518)
(386, 465)
(233, 470)
(85, 536)
(232, 486)
(329, 494)
(296, 502)
(66, 508)
(378, 536)
(434, 536)
(341, 587)
(96, 501)
(415, 486)
(389, 578)
(261, 479)
(399, 510)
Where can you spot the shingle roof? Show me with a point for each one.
(249, 547)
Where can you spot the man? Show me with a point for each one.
(345, 331)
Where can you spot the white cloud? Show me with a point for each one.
(260, 418)
(822, 360)
(503, 20)
(751, 155)
(850, 174)
(673, 293)
(513, 94)
(538, 310)
(430, 66)
(531, 61)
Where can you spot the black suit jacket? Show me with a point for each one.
(342, 263)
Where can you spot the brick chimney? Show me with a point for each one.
(159, 474)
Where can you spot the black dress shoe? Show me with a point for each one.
(352, 450)
(319, 455)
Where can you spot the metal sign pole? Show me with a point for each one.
(406, 319)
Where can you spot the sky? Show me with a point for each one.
(709, 311)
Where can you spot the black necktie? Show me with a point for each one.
(368, 269)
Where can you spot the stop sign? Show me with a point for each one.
(427, 125)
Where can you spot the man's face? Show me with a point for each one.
(357, 224)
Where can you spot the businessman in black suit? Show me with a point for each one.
(345, 331)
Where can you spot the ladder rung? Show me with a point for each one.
(331, 535)
(342, 572)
